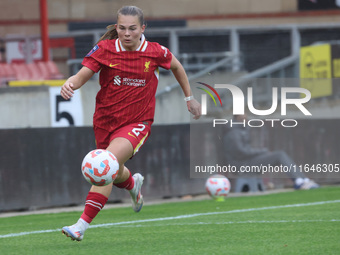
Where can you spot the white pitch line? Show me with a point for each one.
(232, 222)
(185, 216)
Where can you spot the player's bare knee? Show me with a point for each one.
(121, 174)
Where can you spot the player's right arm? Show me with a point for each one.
(75, 82)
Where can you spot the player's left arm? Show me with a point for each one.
(177, 69)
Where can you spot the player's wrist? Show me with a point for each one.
(189, 98)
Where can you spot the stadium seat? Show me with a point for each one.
(44, 70)
(2, 75)
(54, 71)
(22, 72)
(36, 73)
(8, 71)
(7, 74)
(49, 70)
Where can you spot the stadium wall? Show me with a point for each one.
(34, 107)
(15, 19)
(40, 167)
(31, 106)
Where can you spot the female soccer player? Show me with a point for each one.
(125, 104)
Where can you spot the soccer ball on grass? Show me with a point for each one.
(217, 186)
(100, 167)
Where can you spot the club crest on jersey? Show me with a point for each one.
(92, 51)
(147, 66)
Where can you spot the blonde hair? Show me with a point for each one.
(111, 32)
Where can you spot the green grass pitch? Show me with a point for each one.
(297, 222)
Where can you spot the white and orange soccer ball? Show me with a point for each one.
(217, 186)
(100, 167)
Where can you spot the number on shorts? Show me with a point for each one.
(137, 131)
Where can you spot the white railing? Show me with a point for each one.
(174, 34)
(224, 63)
(279, 69)
(198, 61)
(192, 62)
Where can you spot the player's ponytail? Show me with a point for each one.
(111, 32)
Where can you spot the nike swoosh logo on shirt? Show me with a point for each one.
(112, 65)
(132, 135)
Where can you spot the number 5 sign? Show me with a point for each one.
(65, 113)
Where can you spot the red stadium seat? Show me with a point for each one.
(36, 73)
(2, 75)
(2, 71)
(54, 71)
(50, 70)
(22, 72)
(7, 73)
(44, 70)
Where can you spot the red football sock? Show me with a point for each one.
(94, 203)
(128, 184)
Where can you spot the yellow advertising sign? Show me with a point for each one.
(336, 67)
(316, 70)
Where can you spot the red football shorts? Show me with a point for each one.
(136, 133)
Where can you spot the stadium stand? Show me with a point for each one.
(44, 69)
(53, 70)
(22, 72)
(34, 71)
(6, 73)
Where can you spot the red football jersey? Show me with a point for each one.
(128, 81)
